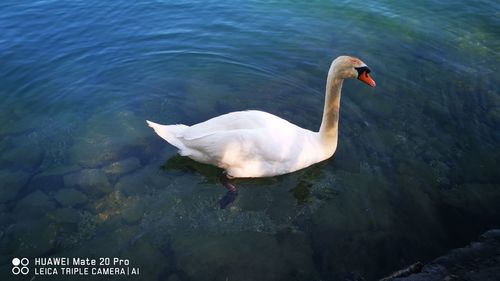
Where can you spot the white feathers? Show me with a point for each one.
(246, 143)
(170, 133)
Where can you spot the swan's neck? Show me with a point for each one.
(330, 123)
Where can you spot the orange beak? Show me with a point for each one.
(365, 77)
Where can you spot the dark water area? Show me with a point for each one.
(81, 175)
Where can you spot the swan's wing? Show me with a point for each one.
(264, 151)
(240, 120)
(234, 146)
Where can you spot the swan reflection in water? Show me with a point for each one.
(300, 188)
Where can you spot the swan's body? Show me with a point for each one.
(248, 144)
(259, 144)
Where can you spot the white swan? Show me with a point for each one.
(253, 143)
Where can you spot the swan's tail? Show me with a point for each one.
(170, 133)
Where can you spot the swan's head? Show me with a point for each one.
(350, 67)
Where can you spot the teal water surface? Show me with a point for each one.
(81, 175)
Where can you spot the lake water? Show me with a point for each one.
(416, 172)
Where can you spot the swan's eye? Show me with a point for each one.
(362, 70)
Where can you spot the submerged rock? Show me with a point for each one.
(65, 215)
(52, 179)
(33, 237)
(116, 169)
(84, 242)
(86, 228)
(12, 182)
(133, 211)
(60, 171)
(69, 197)
(107, 137)
(46, 183)
(34, 204)
(141, 181)
(90, 181)
(22, 156)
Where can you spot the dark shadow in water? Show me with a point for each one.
(208, 172)
(306, 179)
(301, 191)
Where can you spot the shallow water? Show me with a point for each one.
(415, 173)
